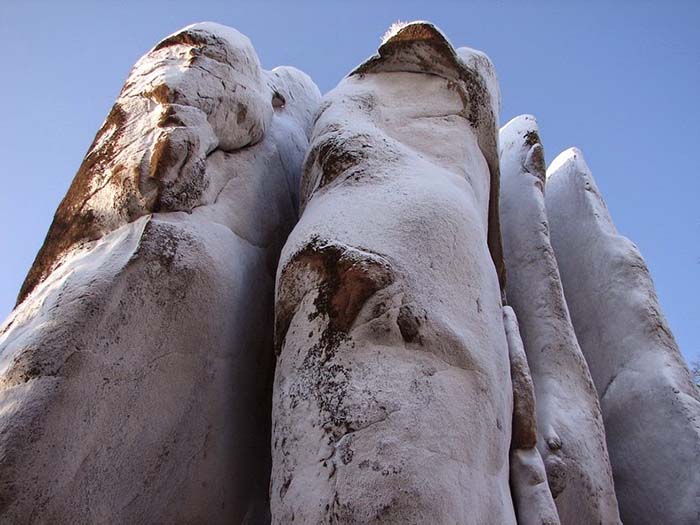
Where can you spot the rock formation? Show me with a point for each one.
(532, 497)
(184, 351)
(135, 372)
(650, 407)
(571, 434)
(392, 399)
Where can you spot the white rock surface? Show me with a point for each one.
(650, 407)
(136, 370)
(571, 433)
(532, 497)
(392, 399)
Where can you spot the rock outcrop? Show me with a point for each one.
(532, 497)
(571, 433)
(650, 407)
(256, 305)
(136, 370)
(392, 400)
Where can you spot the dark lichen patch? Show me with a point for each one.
(337, 154)
(29, 364)
(345, 452)
(285, 485)
(241, 113)
(408, 322)
(535, 164)
(278, 101)
(532, 137)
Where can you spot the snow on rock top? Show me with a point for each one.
(420, 47)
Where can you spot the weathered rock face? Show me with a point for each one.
(135, 373)
(532, 497)
(571, 434)
(392, 399)
(139, 378)
(650, 407)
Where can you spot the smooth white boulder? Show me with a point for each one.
(650, 407)
(571, 435)
(392, 400)
(136, 370)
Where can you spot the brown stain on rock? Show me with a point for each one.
(344, 279)
(73, 223)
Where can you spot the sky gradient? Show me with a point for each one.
(617, 79)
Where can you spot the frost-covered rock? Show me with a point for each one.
(650, 406)
(532, 497)
(136, 370)
(571, 434)
(392, 399)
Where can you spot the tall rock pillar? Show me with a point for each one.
(136, 369)
(392, 399)
(571, 436)
(650, 407)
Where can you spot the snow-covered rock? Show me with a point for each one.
(136, 370)
(571, 434)
(392, 399)
(650, 407)
(532, 497)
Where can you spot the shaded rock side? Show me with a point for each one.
(650, 407)
(136, 370)
(534, 504)
(571, 433)
(392, 399)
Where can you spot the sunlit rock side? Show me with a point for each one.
(392, 400)
(650, 407)
(532, 497)
(135, 372)
(571, 435)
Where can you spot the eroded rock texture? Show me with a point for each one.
(392, 399)
(650, 407)
(571, 435)
(135, 372)
(139, 378)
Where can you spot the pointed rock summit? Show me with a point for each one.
(135, 372)
(650, 406)
(571, 434)
(385, 378)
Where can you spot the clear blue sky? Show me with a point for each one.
(618, 79)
